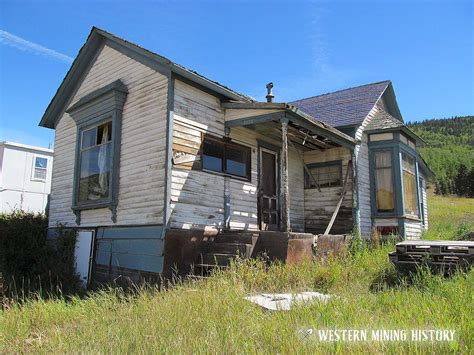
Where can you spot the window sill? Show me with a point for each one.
(226, 175)
(39, 180)
(412, 217)
(92, 205)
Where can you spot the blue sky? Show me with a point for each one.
(306, 48)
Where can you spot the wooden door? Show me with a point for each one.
(269, 215)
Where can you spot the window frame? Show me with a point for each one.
(94, 109)
(375, 188)
(417, 187)
(225, 143)
(77, 178)
(33, 172)
(310, 166)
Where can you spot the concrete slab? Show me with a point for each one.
(284, 301)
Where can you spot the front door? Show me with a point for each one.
(268, 190)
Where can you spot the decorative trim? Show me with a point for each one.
(109, 101)
(169, 151)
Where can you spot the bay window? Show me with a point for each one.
(98, 117)
(385, 198)
(409, 185)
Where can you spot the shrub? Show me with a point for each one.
(29, 261)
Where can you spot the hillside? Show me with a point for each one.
(449, 147)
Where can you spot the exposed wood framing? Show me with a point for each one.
(339, 203)
(305, 166)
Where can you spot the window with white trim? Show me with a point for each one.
(40, 168)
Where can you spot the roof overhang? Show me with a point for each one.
(86, 56)
(293, 114)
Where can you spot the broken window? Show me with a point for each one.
(95, 163)
(327, 174)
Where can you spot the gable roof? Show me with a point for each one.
(383, 120)
(86, 56)
(349, 106)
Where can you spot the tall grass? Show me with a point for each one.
(449, 217)
(212, 316)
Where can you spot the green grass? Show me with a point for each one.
(211, 315)
(449, 217)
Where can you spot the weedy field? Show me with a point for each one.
(211, 316)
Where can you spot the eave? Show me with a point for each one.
(96, 39)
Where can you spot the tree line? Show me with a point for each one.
(449, 152)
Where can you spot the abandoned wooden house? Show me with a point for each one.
(159, 167)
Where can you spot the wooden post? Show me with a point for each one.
(285, 193)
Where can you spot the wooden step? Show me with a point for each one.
(237, 237)
(241, 249)
(217, 259)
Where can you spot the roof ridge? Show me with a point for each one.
(350, 88)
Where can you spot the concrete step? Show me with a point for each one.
(241, 249)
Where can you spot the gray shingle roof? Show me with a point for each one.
(383, 120)
(344, 107)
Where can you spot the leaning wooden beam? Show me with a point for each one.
(285, 193)
(305, 166)
(339, 203)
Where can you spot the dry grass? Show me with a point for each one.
(211, 315)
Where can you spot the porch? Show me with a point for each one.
(324, 183)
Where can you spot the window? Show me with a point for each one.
(327, 174)
(409, 184)
(226, 157)
(40, 168)
(383, 181)
(422, 205)
(95, 163)
(98, 117)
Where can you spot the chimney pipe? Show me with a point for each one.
(270, 95)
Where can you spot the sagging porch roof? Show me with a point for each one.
(314, 132)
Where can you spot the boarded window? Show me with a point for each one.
(226, 157)
(40, 168)
(326, 175)
(409, 184)
(95, 163)
(384, 182)
(381, 137)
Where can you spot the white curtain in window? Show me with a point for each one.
(102, 162)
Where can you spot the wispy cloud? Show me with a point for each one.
(11, 40)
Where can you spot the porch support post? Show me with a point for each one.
(285, 193)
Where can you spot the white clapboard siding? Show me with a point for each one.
(197, 197)
(363, 176)
(142, 158)
(413, 229)
(425, 206)
(320, 205)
